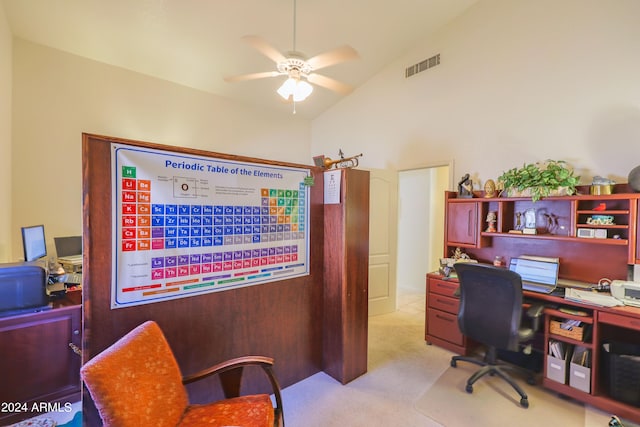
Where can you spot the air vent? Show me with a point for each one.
(422, 66)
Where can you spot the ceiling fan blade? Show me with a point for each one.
(329, 83)
(252, 76)
(262, 46)
(335, 56)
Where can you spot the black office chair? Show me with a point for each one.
(490, 313)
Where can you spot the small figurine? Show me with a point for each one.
(490, 188)
(552, 222)
(518, 221)
(465, 187)
(458, 255)
(491, 222)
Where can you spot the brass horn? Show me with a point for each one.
(342, 162)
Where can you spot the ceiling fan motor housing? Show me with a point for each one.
(294, 67)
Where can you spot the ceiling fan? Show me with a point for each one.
(299, 70)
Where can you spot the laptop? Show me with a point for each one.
(537, 275)
(68, 246)
(69, 251)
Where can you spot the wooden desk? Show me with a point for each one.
(621, 324)
(38, 365)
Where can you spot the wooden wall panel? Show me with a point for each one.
(347, 279)
(279, 319)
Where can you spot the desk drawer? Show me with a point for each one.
(447, 304)
(619, 320)
(445, 326)
(442, 287)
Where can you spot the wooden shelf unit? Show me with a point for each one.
(581, 259)
(466, 217)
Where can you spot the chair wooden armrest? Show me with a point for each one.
(230, 373)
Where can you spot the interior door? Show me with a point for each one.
(383, 240)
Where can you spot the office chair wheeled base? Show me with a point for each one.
(489, 367)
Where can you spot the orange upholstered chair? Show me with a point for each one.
(137, 383)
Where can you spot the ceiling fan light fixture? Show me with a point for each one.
(296, 88)
(299, 70)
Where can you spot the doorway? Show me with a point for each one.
(420, 225)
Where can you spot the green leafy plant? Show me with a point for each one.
(540, 179)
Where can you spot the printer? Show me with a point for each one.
(626, 292)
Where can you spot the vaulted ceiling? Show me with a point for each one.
(196, 43)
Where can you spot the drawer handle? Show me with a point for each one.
(445, 302)
(444, 318)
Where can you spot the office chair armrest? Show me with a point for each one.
(230, 373)
(535, 314)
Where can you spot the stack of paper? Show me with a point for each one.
(557, 349)
(581, 356)
(593, 298)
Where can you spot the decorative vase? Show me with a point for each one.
(634, 179)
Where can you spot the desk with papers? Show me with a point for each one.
(581, 371)
(589, 321)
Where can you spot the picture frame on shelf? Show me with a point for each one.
(529, 221)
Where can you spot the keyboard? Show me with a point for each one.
(568, 283)
(537, 287)
(72, 278)
(71, 260)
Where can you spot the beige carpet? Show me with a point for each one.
(442, 403)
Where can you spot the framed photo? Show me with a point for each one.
(530, 218)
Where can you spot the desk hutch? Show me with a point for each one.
(558, 220)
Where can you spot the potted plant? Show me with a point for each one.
(541, 179)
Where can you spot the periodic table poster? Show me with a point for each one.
(185, 225)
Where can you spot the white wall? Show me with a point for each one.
(57, 96)
(519, 81)
(5, 137)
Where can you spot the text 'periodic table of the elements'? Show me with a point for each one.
(186, 225)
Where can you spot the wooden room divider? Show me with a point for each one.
(281, 319)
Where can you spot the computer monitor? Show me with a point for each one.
(68, 246)
(34, 243)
